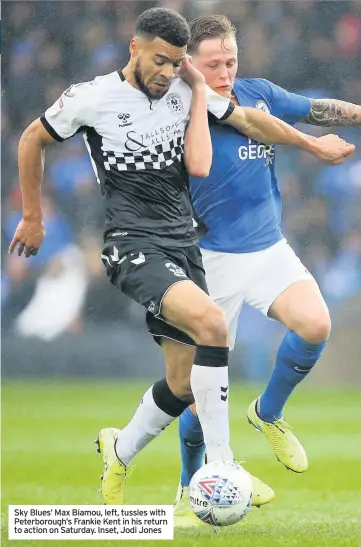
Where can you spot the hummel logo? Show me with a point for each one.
(139, 260)
(115, 259)
(224, 390)
(123, 118)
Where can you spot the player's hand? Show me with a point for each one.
(29, 235)
(191, 74)
(332, 149)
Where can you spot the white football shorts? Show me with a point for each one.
(255, 278)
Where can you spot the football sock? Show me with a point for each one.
(192, 445)
(157, 409)
(295, 358)
(209, 383)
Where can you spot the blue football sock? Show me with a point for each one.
(295, 358)
(191, 444)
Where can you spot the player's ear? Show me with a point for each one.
(134, 47)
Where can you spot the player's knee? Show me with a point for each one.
(212, 328)
(321, 329)
(317, 328)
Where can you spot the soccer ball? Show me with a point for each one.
(220, 493)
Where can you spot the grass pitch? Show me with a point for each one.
(48, 458)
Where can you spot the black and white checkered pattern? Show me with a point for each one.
(157, 157)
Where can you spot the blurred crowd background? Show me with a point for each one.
(62, 296)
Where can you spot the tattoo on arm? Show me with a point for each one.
(328, 112)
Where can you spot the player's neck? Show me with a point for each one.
(234, 99)
(128, 74)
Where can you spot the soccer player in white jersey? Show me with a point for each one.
(145, 129)
(245, 255)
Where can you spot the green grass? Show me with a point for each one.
(48, 458)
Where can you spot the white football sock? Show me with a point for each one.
(210, 390)
(147, 423)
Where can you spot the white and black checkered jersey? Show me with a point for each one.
(136, 149)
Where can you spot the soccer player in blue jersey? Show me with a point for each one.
(245, 255)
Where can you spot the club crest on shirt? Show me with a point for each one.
(261, 105)
(175, 103)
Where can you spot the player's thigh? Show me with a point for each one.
(284, 289)
(171, 321)
(302, 309)
(188, 307)
(179, 359)
(226, 293)
(161, 329)
(191, 310)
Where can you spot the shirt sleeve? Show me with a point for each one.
(287, 106)
(73, 110)
(219, 106)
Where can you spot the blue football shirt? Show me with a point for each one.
(240, 201)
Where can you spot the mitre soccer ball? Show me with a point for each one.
(220, 493)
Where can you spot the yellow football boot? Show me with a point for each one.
(284, 443)
(183, 514)
(115, 472)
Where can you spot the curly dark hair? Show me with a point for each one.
(165, 24)
(209, 26)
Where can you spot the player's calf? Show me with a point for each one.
(179, 359)
(190, 309)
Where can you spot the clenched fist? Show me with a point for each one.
(332, 149)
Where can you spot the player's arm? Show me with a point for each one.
(332, 112)
(61, 121)
(268, 129)
(197, 142)
(30, 232)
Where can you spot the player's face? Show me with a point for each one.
(156, 62)
(217, 59)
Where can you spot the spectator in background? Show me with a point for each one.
(62, 287)
(59, 277)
